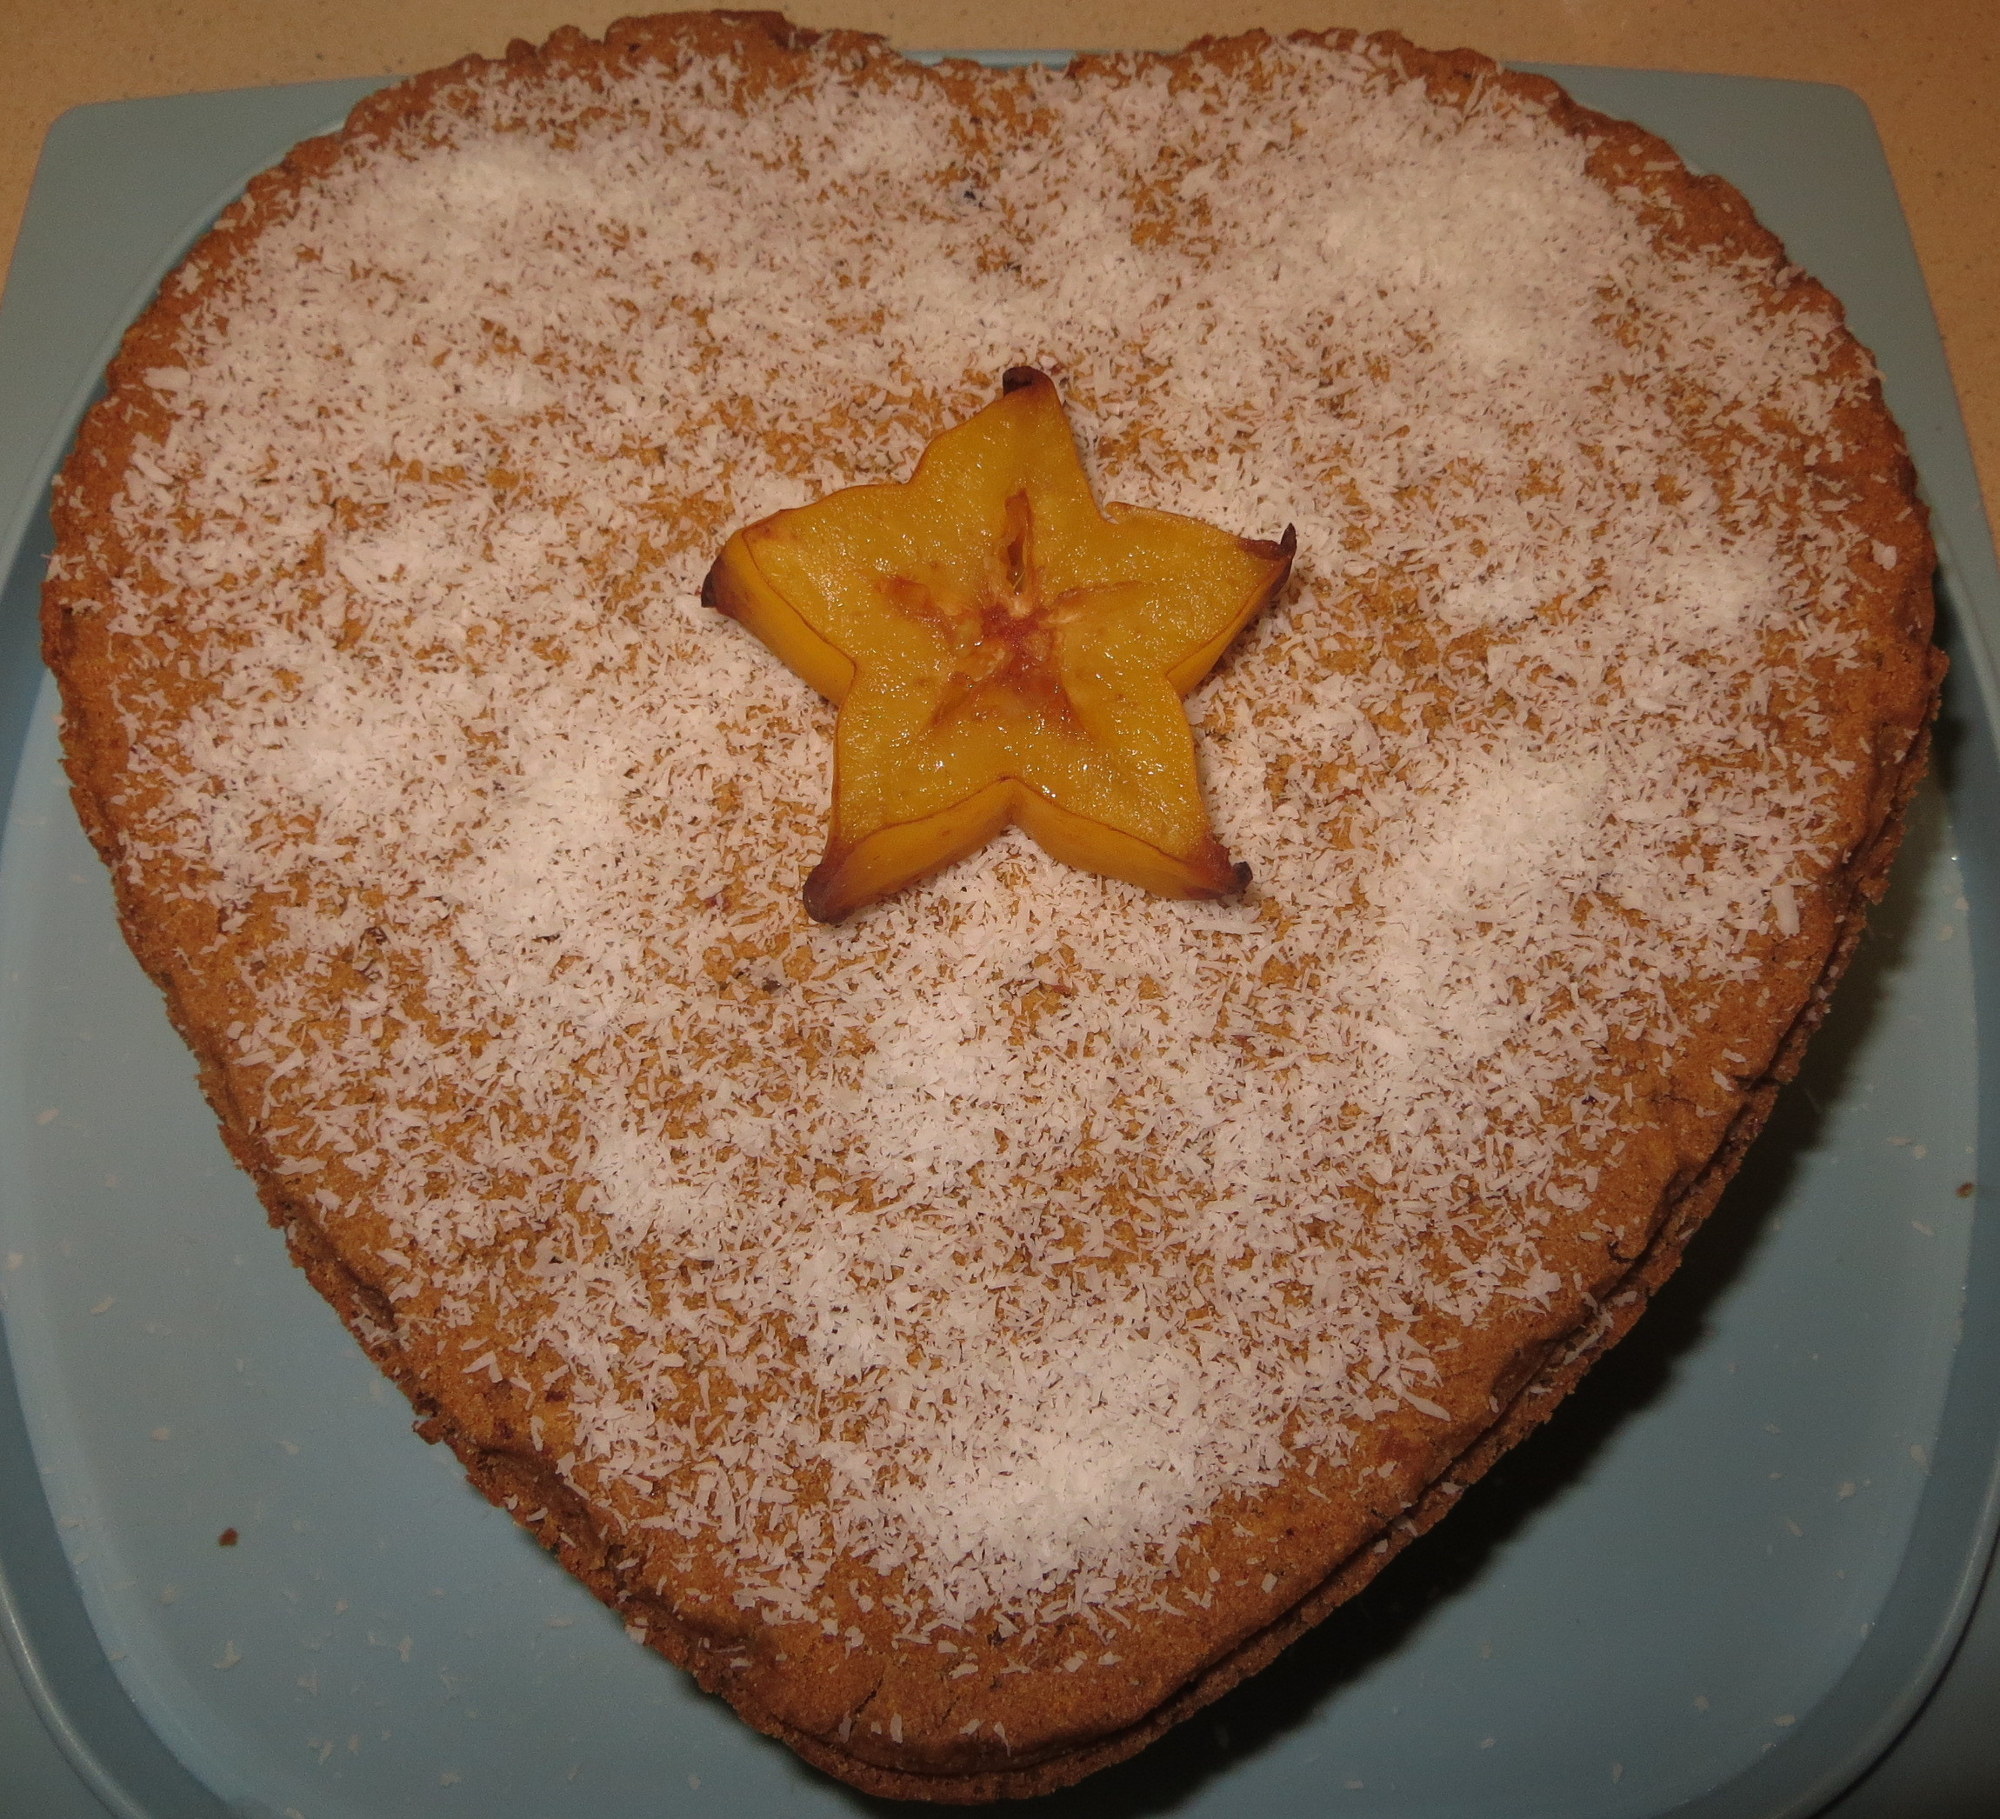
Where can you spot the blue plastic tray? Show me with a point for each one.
(1720, 1584)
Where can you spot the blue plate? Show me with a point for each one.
(1719, 1584)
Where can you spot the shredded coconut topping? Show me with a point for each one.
(991, 1238)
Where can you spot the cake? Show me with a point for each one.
(972, 1336)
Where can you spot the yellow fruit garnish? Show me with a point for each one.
(1001, 652)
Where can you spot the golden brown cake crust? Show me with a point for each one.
(1322, 1546)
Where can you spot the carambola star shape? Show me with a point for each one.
(1002, 652)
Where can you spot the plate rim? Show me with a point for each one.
(1850, 1728)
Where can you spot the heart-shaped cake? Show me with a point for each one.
(972, 1335)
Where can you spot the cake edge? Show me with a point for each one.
(566, 1526)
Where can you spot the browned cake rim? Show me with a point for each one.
(512, 1476)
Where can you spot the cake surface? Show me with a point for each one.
(972, 1336)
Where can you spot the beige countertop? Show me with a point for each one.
(1926, 68)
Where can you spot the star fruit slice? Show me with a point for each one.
(1002, 651)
